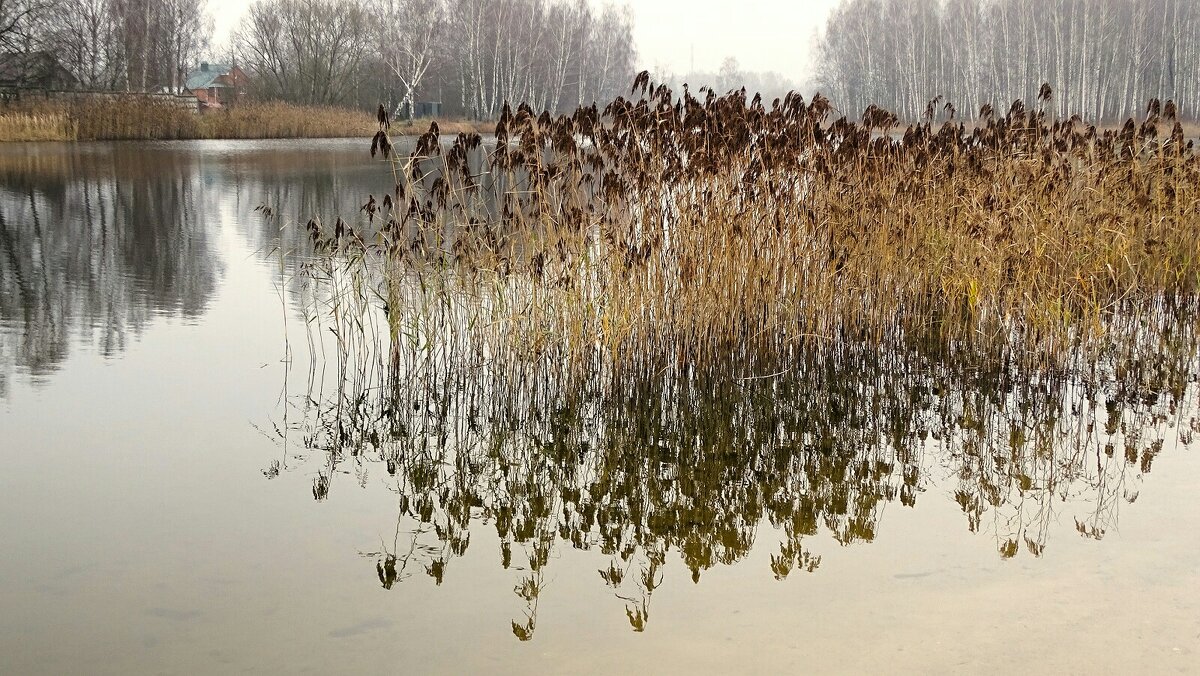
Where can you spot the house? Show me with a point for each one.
(216, 85)
(34, 70)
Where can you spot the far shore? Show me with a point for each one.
(145, 120)
(140, 119)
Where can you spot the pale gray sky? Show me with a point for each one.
(761, 34)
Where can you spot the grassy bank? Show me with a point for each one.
(140, 119)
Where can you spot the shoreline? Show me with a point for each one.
(145, 120)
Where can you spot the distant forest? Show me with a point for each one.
(1104, 59)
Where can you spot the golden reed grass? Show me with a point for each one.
(36, 126)
(664, 230)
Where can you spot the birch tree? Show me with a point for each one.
(413, 38)
(1103, 58)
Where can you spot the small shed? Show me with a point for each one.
(427, 109)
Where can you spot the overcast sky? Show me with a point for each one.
(761, 34)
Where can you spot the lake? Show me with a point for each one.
(179, 495)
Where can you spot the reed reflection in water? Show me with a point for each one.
(682, 467)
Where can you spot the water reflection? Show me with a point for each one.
(95, 242)
(676, 465)
(97, 239)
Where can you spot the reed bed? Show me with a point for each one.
(445, 127)
(664, 232)
(281, 120)
(123, 118)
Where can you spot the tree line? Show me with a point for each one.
(471, 55)
(1104, 59)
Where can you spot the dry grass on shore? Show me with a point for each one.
(145, 119)
(36, 126)
(447, 127)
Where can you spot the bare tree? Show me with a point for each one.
(107, 44)
(306, 51)
(547, 53)
(18, 22)
(185, 36)
(88, 42)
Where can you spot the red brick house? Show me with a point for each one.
(216, 85)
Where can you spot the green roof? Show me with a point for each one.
(203, 77)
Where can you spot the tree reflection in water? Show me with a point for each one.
(682, 463)
(94, 241)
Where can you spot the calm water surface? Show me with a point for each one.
(169, 502)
